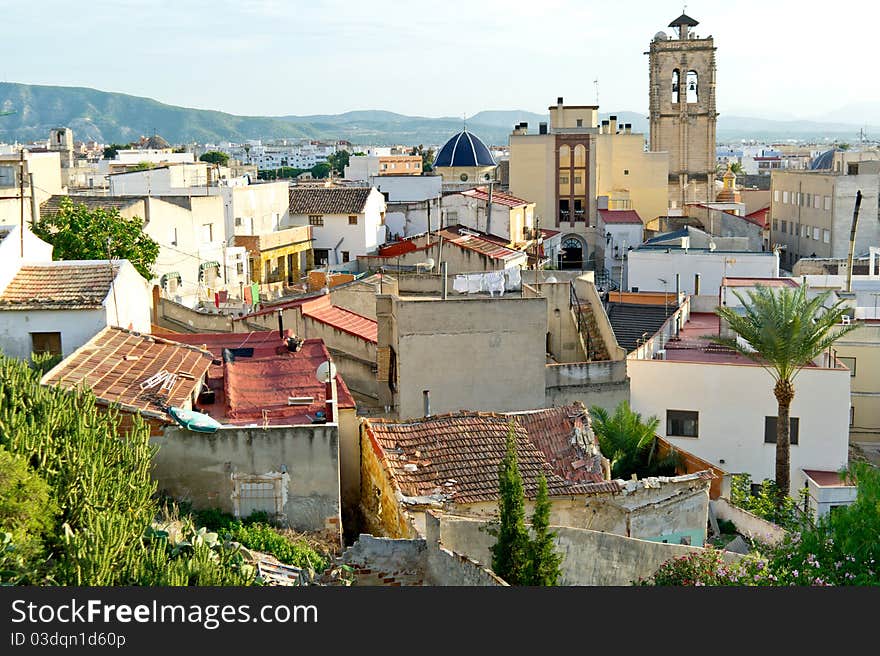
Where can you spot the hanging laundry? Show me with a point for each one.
(475, 283)
(514, 279)
(248, 299)
(223, 295)
(217, 300)
(494, 281)
(460, 284)
(255, 293)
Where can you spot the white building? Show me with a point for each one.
(45, 167)
(649, 266)
(412, 201)
(346, 222)
(507, 216)
(56, 307)
(623, 230)
(719, 405)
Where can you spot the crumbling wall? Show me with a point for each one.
(748, 524)
(208, 470)
(588, 557)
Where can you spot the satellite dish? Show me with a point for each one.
(326, 372)
(551, 279)
(429, 263)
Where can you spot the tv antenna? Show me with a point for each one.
(596, 83)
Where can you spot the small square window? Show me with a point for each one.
(46, 343)
(345, 256)
(770, 430)
(316, 219)
(352, 219)
(626, 171)
(682, 423)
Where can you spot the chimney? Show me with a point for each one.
(559, 101)
(542, 128)
(280, 324)
(605, 128)
(427, 395)
(612, 120)
(627, 128)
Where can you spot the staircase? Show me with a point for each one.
(588, 332)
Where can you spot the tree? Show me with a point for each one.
(427, 157)
(143, 166)
(320, 170)
(783, 331)
(544, 561)
(215, 157)
(511, 549)
(338, 161)
(78, 233)
(625, 439)
(111, 150)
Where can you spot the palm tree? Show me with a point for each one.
(783, 331)
(624, 438)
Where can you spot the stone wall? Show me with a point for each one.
(209, 470)
(589, 557)
(177, 317)
(601, 382)
(748, 524)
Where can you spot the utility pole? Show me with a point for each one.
(21, 200)
(852, 240)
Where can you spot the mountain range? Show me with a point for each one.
(115, 117)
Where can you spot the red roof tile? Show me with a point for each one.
(456, 457)
(60, 286)
(827, 478)
(323, 310)
(498, 197)
(115, 362)
(619, 217)
(473, 241)
(246, 385)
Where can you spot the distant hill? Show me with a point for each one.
(116, 117)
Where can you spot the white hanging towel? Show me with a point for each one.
(475, 283)
(495, 282)
(460, 284)
(514, 279)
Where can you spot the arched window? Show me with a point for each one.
(692, 87)
(580, 155)
(675, 82)
(564, 157)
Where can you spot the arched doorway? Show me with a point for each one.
(572, 253)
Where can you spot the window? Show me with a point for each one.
(816, 234)
(827, 202)
(692, 87)
(798, 201)
(852, 415)
(258, 493)
(682, 423)
(826, 236)
(577, 179)
(207, 233)
(785, 226)
(626, 171)
(463, 177)
(238, 221)
(345, 256)
(784, 196)
(316, 219)
(775, 224)
(580, 122)
(816, 201)
(804, 231)
(239, 268)
(675, 86)
(850, 364)
(46, 343)
(7, 176)
(770, 429)
(776, 196)
(563, 180)
(352, 219)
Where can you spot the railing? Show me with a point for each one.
(582, 326)
(606, 280)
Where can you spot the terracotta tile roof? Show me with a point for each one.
(61, 285)
(827, 478)
(116, 361)
(284, 305)
(565, 437)
(620, 216)
(53, 204)
(455, 457)
(347, 321)
(766, 282)
(328, 200)
(473, 241)
(498, 197)
(264, 378)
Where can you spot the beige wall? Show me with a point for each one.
(471, 353)
(863, 344)
(533, 173)
(625, 171)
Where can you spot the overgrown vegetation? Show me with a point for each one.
(256, 533)
(92, 501)
(630, 443)
(840, 549)
(78, 233)
(765, 503)
(516, 557)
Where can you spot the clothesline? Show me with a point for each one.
(489, 281)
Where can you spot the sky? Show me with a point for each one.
(775, 58)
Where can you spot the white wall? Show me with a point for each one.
(408, 188)
(132, 298)
(646, 266)
(76, 328)
(35, 250)
(733, 400)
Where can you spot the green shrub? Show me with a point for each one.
(262, 537)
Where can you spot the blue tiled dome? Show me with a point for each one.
(823, 160)
(464, 149)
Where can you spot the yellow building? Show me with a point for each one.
(568, 166)
(859, 350)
